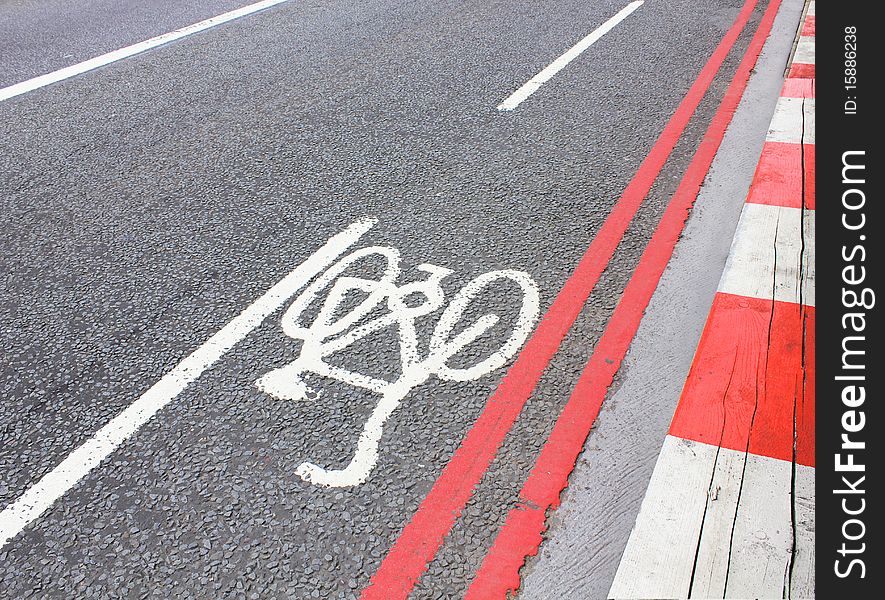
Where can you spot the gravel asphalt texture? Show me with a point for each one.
(149, 202)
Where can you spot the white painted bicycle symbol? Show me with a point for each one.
(339, 323)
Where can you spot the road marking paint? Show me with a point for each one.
(769, 253)
(784, 174)
(422, 536)
(521, 534)
(40, 496)
(116, 55)
(333, 330)
(750, 386)
(793, 121)
(532, 85)
(701, 503)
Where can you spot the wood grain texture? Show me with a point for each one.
(802, 576)
(729, 512)
(718, 523)
(751, 386)
(796, 87)
(793, 121)
(660, 554)
(772, 256)
(809, 26)
(761, 542)
(802, 71)
(804, 51)
(784, 175)
(714, 547)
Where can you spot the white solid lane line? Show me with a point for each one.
(110, 57)
(81, 461)
(531, 86)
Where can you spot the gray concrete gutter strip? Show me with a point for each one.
(588, 533)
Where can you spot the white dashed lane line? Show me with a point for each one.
(532, 85)
(110, 57)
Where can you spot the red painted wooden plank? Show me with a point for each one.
(808, 27)
(778, 178)
(747, 383)
(797, 87)
(803, 70)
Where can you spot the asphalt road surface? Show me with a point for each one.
(356, 153)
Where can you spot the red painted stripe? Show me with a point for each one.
(521, 533)
(804, 70)
(422, 536)
(740, 393)
(795, 87)
(808, 150)
(779, 176)
(808, 28)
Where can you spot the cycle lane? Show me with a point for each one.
(493, 232)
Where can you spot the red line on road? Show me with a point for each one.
(423, 535)
(520, 536)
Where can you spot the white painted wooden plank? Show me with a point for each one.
(660, 553)
(763, 232)
(802, 583)
(787, 124)
(805, 271)
(808, 128)
(811, 8)
(762, 539)
(804, 50)
(711, 568)
(742, 519)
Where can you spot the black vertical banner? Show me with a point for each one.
(850, 439)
